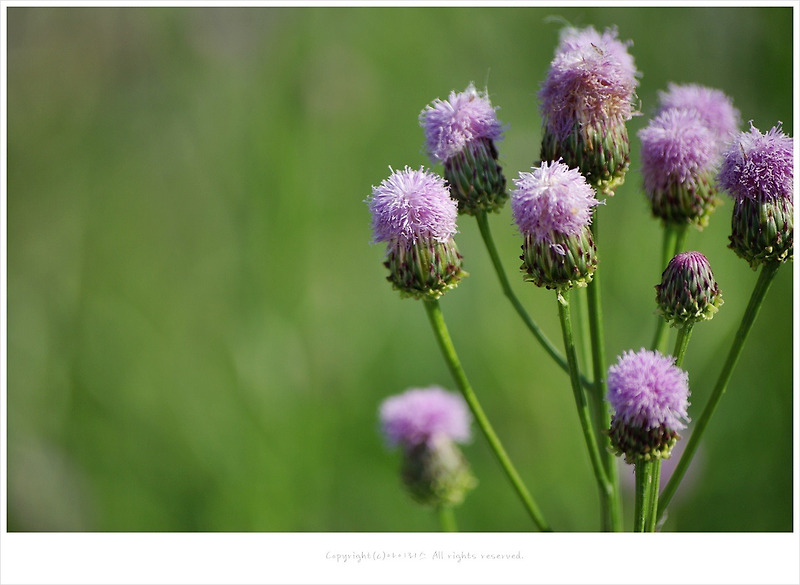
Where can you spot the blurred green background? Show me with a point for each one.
(200, 333)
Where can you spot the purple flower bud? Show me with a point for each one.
(680, 156)
(552, 207)
(586, 99)
(712, 105)
(464, 117)
(688, 291)
(650, 398)
(758, 172)
(427, 423)
(759, 166)
(420, 414)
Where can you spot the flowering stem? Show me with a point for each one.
(648, 474)
(453, 363)
(765, 279)
(612, 512)
(447, 518)
(486, 234)
(606, 491)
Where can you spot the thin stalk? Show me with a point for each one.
(674, 239)
(765, 279)
(581, 403)
(447, 518)
(486, 234)
(454, 364)
(612, 513)
(681, 343)
(643, 502)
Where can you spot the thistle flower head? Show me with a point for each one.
(411, 205)
(419, 415)
(715, 109)
(646, 390)
(552, 199)
(688, 291)
(453, 123)
(758, 166)
(552, 207)
(591, 78)
(650, 397)
(677, 147)
(680, 157)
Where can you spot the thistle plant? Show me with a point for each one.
(691, 153)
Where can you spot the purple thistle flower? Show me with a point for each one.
(421, 415)
(552, 199)
(648, 392)
(591, 79)
(412, 205)
(677, 147)
(680, 157)
(712, 105)
(759, 167)
(451, 124)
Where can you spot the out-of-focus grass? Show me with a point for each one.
(199, 333)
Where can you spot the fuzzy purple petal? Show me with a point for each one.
(420, 414)
(677, 147)
(412, 204)
(451, 124)
(591, 79)
(712, 105)
(759, 166)
(552, 198)
(646, 390)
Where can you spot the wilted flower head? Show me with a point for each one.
(688, 291)
(586, 99)
(552, 199)
(680, 156)
(592, 77)
(420, 414)
(650, 398)
(712, 105)
(412, 204)
(451, 124)
(759, 166)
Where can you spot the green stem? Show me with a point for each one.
(644, 495)
(648, 474)
(486, 234)
(453, 363)
(674, 238)
(652, 507)
(765, 279)
(681, 343)
(612, 508)
(447, 518)
(580, 401)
